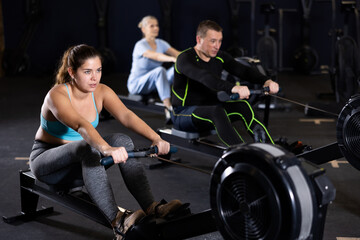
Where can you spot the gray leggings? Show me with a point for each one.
(63, 164)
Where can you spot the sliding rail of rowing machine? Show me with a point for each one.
(198, 143)
(140, 102)
(184, 224)
(192, 141)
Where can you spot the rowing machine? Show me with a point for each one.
(257, 191)
(69, 195)
(347, 133)
(149, 102)
(143, 102)
(199, 141)
(108, 161)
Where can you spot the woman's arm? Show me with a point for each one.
(58, 103)
(130, 120)
(160, 57)
(172, 52)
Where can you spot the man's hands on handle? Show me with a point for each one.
(273, 86)
(244, 92)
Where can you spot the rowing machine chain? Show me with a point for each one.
(303, 105)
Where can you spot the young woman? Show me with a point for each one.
(67, 145)
(147, 73)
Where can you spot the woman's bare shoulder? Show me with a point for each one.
(103, 89)
(57, 89)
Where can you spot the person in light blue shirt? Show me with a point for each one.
(147, 73)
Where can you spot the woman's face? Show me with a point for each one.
(87, 77)
(151, 29)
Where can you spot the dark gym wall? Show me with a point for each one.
(65, 23)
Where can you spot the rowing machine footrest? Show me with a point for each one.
(191, 135)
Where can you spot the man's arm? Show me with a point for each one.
(250, 74)
(186, 65)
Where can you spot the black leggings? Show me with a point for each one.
(223, 115)
(62, 164)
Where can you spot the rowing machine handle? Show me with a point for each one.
(223, 96)
(107, 161)
(235, 96)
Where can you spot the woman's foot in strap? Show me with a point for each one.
(162, 209)
(124, 220)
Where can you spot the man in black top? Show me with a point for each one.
(197, 81)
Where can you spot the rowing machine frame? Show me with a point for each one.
(197, 143)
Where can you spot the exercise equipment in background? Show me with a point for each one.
(235, 50)
(108, 56)
(165, 7)
(305, 57)
(346, 72)
(266, 49)
(282, 12)
(17, 61)
(2, 41)
(267, 52)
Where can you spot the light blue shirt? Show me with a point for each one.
(59, 130)
(142, 65)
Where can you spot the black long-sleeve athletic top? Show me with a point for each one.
(197, 82)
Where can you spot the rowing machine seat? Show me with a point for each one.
(75, 186)
(193, 141)
(144, 98)
(191, 135)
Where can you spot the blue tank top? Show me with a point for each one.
(59, 130)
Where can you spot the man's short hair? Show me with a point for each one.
(206, 25)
